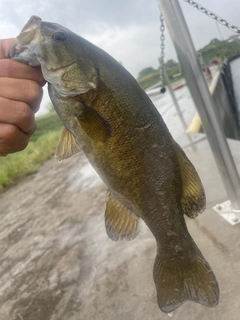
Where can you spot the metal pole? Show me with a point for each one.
(175, 102)
(187, 55)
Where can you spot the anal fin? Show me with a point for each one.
(193, 199)
(121, 223)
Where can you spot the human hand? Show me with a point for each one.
(20, 97)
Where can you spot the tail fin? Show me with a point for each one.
(179, 280)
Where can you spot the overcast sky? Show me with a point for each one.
(127, 29)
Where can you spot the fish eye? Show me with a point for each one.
(60, 36)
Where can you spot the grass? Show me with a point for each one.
(149, 80)
(42, 146)
(152, 78)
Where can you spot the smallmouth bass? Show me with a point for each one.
(107, 115)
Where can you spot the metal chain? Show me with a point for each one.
(214, 16)
(162, 47)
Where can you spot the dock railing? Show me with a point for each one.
(192, 71)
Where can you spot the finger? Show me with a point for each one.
(27, 91)
(14, 69)
(5, 45)
(12, 139)
(18, 114)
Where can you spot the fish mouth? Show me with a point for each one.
(23, 49)
(29, 33)
(33, 23)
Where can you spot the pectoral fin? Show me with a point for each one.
(94, 124)
(120, 222)
(67, 145)
(193, 197)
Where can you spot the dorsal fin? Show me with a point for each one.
(121, 223)
(193, 196)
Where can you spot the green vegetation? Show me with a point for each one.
(219, 49)
(42, 146)
(149, 76)
(149, 80)
(171, 64)
(146, 72)
(215, 49)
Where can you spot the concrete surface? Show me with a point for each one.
(57, 263)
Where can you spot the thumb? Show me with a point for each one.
(5, 45)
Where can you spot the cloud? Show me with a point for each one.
(127, 29)
(135, 46)
(81, 13)
(203, 28)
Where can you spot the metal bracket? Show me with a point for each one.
(226, 211)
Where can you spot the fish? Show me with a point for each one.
(106, 114)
